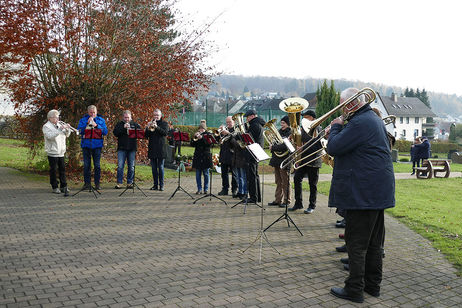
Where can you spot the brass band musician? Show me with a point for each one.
(226, 157)
(156, 133)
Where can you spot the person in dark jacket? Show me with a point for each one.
(311, 169)
(156, 133)
(281, 176)
(202, 160)
(239, 163)
(253, 179)
(415, 155)
(226, 158)
(423, 149)
(363, 183)
(92, 147)
(126, 148)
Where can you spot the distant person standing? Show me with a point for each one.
(415, 155)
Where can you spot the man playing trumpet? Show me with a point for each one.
(156, 133)
(226, 158)
(55, 147)
(126, 149)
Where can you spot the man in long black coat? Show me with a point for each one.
(156, 133)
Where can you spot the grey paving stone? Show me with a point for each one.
(134, 251)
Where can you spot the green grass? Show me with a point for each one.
(432, 208)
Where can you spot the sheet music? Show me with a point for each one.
(288, 145)
(257, 151)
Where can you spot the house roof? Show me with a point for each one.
(406, 106)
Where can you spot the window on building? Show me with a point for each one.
(416, 133)
(401, 120)
(404, 133)
(396, 134)
(416, 120)
(407, 120)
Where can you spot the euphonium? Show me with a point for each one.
(273, 137)
(239, 127)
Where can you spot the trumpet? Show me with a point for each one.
(74, 130)
(153, 126)
(310, 128)
(198, 135)
(389, 119)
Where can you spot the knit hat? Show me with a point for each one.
(310, 113)
(286, 119)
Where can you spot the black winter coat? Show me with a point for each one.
(239, 159)
(202, 158)
(256, 130)
(275, 160)
(156, 147)
(226, 152)
(123, 142)
(307, 155)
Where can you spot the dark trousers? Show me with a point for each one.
(414, 163)
(88, 154)
(313, 176)
(225, 170)
(57, 163)
(253, 181)
(364, 235)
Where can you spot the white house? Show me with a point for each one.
(412, 116)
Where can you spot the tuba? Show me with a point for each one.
(240, 131)
(273, 137)
(311, 126)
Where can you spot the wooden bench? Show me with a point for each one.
(430, 168)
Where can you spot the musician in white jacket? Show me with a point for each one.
(55, 146)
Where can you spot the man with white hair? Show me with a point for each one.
(226, 159)
(55, 146)
(363, 184)
(156, 133)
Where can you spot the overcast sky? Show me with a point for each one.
(402, 43)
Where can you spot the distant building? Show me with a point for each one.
(413, 117)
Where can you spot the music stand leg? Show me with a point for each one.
(285, 215)
(210, 195)
(90, 189)
(133, 184)
(178, 188)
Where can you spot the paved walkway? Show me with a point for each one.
(147, 251)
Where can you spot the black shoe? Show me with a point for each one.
(345, 260)
(153, 188)
(341, 248)
(223, 193)
(251, 201)
(97, 187)
(274, 204)
(283, 205)
(66, 191)
(234, 193)
(346, 267)
(372, 292)
(412, 173)
(294, 208)
(341, 224)
(86, 186)
(118, 186)
(161, 188)
(309, 210)
(341, 293)
(130, 186)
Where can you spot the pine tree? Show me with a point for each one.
(328, 98)
(424, 98)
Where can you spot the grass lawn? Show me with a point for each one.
(432, 208)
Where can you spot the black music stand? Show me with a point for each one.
(135, 133)
(285, 215)
(247, 139)
(256, 150)
(210, 140)
(179, 136)
(91, 133)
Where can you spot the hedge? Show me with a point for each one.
(436, 146)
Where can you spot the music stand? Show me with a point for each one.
(91, 133)
(285, 215)
(212, 141)
(259, 155)
(247, 139)
(135, 133)
(179, 136)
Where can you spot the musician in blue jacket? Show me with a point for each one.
(363, 184)
(91, 147)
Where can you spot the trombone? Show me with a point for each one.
(74, 130)
(310, 128)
